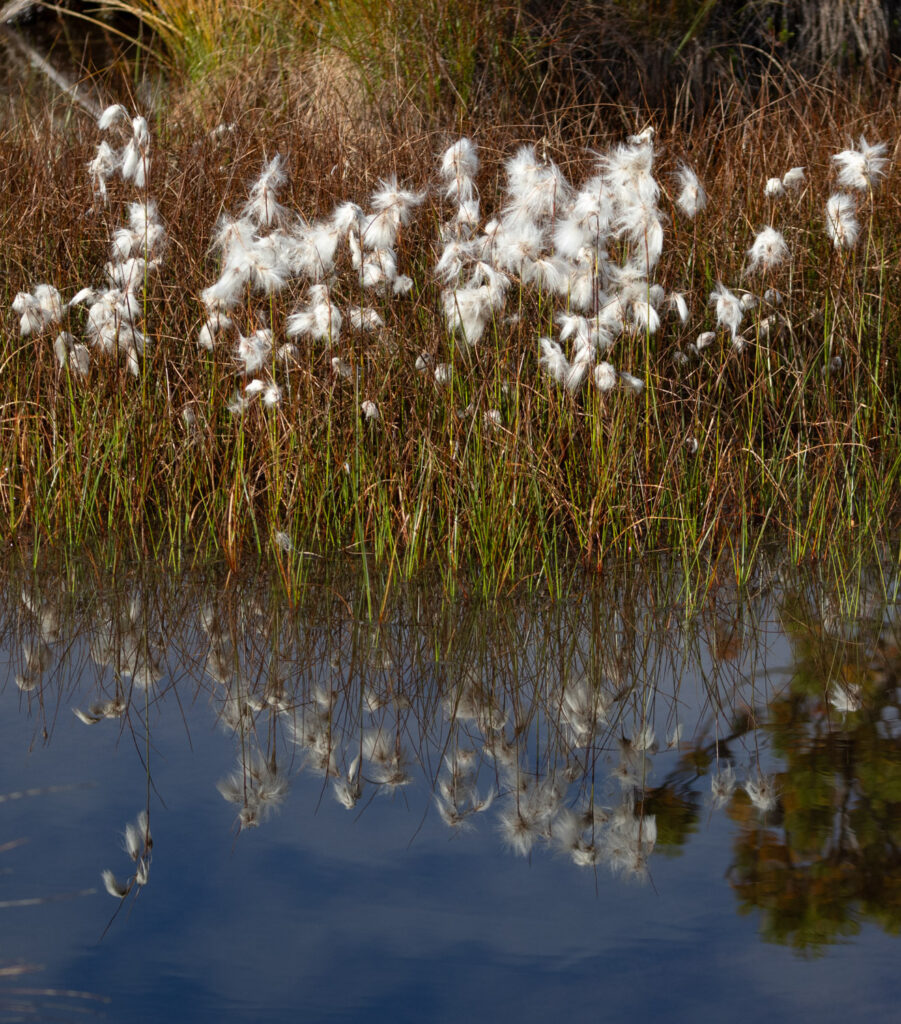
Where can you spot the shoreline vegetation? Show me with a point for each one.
(290, 310)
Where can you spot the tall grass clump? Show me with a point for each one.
(203, 37)
(527, 55)
(503, 348)
(440, 53)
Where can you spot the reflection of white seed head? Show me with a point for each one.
(113, 886)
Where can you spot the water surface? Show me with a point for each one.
(646, 797)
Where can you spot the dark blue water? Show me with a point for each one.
(383, 911)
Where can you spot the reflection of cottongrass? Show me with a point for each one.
(519, 828)
(645, 739)
(100, 710)
(349, 788)
(845, 697)
(471, 702)
(258, 788)
(388, 763)
(634, 766)
(762, 793)
(584, 710)
(577, 834)
(37, 657)
(629, 841)
(311, 730)
(138, 844)
(45, 613)
(722, 786)
(347, 694)
(529, 811)
(457, 797)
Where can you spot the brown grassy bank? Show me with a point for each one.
(498, 465)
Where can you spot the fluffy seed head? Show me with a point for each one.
(768, 251)
(793, 178)
(862, 168)
(842, 225)
(728, 307)
(692, 199)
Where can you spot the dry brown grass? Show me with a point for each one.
(782, 442)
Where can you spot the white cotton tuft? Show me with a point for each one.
(31, 319)
(80, 360)
(321, 319)
(460, 160)
(604, 377)
(83, 295)
(793, 178)
(769, 250)
(552, 360)
(842, 224)
(341, 368)
(272, 396)
(692, 199)
(728, 307)
(578, 370)
(207, 334)
(254, 350)
(113, 886)
(102, 168)
(537, 190)
(774, 188)
(62, 346)
(644, 316)
(111, 116)
(635, 384)
(862, 168)
(364, 318)
(677, 302)
(263, 207)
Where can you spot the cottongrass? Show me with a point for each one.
(842, 224)
(546, 302)
(550, 235)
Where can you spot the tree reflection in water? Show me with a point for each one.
(605, 726)
(831, 857)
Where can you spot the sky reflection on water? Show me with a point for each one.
(383, 911)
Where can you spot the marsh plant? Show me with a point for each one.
(463, 367)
